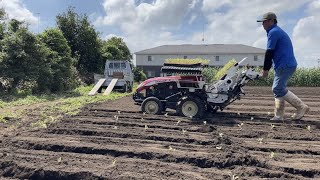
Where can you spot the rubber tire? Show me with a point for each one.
(196, 101)
(129, 89)
(154, 100)
(124, 88)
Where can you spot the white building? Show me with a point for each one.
(151, 60)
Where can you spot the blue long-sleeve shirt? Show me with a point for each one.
(280, 42)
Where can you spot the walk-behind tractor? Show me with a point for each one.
(190, 95)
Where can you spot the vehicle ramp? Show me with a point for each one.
(96, 87)
(110, 86)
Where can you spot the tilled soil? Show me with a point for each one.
(114, 140)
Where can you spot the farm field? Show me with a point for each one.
(114, 140)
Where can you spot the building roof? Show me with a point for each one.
(195, 49)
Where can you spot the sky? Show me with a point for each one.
(146, 24)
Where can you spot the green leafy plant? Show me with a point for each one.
(225, 69)
(187, 61)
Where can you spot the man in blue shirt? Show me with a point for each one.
(280, 53)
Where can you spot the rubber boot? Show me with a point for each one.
(298, 104)
(279, 108)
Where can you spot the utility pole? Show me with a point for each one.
(38, 21)
(203, 32)
(203, 29)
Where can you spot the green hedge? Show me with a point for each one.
(306, 77)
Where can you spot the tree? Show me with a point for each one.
(83, 40)
(64, 74)
(139, 75)
(110, 52)
(24, 60)
(2, 24)
(15, 25)
(121, 45)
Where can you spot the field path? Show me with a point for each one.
(114, 140)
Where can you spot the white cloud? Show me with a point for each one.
(236, 22)
(212, 5)
(193, 17)
(148, 25)
(306, 37)
(118, 11)
(314, 7)
(15, 9)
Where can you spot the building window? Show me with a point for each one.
(185, 57)
(217, 58)
(151, 74)
(255, 58)
(149, 58)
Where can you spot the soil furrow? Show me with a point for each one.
(114, 140)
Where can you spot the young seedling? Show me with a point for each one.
(234, 177)
(221, 135)
(273, 126)
(142, 119)
(272, 155)
(260, 140)
(239, 113)
(171, 149)
(119, 112)
(115, 127)
(204, 122)
(240, 125)
(219, 147)
(144, 113)
(309, 128)
(116, 117)
(146, 127)
(179, 121)
(44, 126)
(293, 115)
(252, 118)
(114, 162)
(59, 159)
(184, 131)
(269, 113)
(166, 114)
